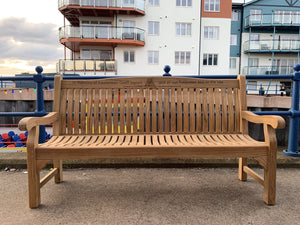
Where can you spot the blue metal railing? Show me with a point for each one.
(293, 113)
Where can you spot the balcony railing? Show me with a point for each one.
(87, 65)
(263, 20)
(270, 45)
(265, 70)
(102, 32)
(136, 4)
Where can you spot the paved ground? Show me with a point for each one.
(151, 196)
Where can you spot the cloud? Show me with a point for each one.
(23, 44)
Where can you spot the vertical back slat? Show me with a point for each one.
(160, 110)
(211, 110)
(173, 111)
(102, 110)
(109, 111)
(141, 110)
(122, 111)
(205, 110)
(230, 110)
(134, 110)
(154, 111)
(185, 110)
(76, 110)
(63, 109)
(83, 112)
(198, 110)
(116, 111)
(237, 109)
(179, 110)
(218, 110)
(96, 112)
(90, 112)
(128, 111)
(192, 110)
(147, 119)
(57, 103)
(224, 111)
(166, 109)
(70, 93)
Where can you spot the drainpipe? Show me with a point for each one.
(200, 38)
(241, 38)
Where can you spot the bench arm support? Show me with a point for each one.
(29, 122)
(277, 122)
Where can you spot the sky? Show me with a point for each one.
(29, 35)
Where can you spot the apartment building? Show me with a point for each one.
(265, 38)
(140, 37)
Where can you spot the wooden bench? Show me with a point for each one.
(150, 117)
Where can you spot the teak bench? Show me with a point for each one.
(150, 117)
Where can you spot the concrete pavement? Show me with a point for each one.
(151, 196)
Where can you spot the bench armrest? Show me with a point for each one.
(29, 122)
(277, 122)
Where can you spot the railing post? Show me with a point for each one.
(294, 118)
(39, 79)
(167, 69)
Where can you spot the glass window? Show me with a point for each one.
(182, 57)
(183, 29)
(255, 15)
(153, 28)
(211, 32)
(233, 39)
(154, 2)
(129, 56)
(186, 3)
(212, 5)
(232, 63)
(153, 57)
(210, 59)
(235, 15)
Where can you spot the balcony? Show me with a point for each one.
(265, 70)
(73, 37)
(266, 46)
(73, 9)
(290, 21)
(86, 66)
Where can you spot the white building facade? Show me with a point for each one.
(137, 37)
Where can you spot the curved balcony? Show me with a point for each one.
(270, 20)
(86, 65)
(265, 70)
(73, 9)
(72, 37)
(267, 46)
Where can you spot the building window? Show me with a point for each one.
(232, 63)
(212, 5)
(287, 17)
(153, 57)
(153, 28)
(233, 39)
(182, 57)
(186, 3)
(183, 29)
(211, 33)
(255, 15)
(129, 56)
(235, 15)
(154, 2)
(210, 59)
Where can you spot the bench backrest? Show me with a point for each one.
(149, 105)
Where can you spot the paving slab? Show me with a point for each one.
(151, 196)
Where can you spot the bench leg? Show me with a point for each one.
(33, 181)
(270, 168)
(270, 181)
(59, 176)
(242, 175)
